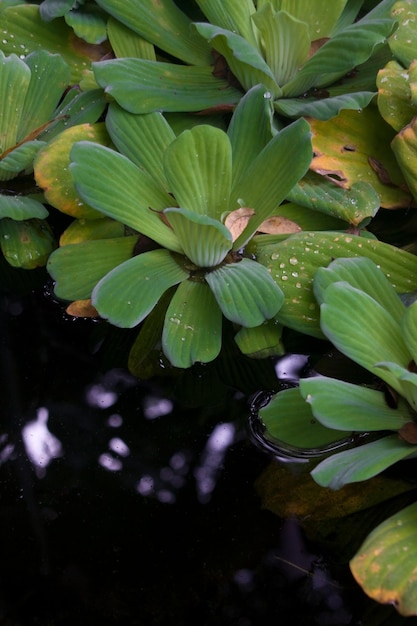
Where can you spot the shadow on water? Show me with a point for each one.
(123, 504)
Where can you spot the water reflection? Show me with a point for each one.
(40, 444)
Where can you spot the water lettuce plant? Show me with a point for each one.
(322, 413)
(183, 205)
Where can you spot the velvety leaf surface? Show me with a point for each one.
(115, 186)
(26, 244)
(234, 15)
(245, 292)
(129, 292)
(126, 43)
(323, 108)
(361, 463)
(353, 205)
(19, 159)
(277, 168)
(142, 86)
(250, 129)
(365, 275)
(344, 406)
(289, 420)
(22, 19)
(67, 265)
(404, 146)
(88, 23)
(14, 83)
(355, 146)
(260, 342)
(198, 167)
(362, 330)
(404, 40)
(193, 325)
(142, 138)
(204, 241)
(286, 42)
(164, 25)
(244, 60)
(51, 169)
(384, 565)
(21, 208)
(394, 94)
(320, 16)
(87, 230)
(294, 262)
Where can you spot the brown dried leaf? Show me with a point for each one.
(237, 221)
(82, 308)
(279, 226)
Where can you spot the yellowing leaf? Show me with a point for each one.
(82, 308)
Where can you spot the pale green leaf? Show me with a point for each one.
(233, 15)
(245, 292)
(193, 326)
(323, 108)
(21, 208)
(285, 41)
(320, 15)
(19, 159)
(409, 328)
(361, 463)
(345, 406)
(126, 43)
(365, 275)
(244, 60)
(163, 24)
(142, 138)
(14, 83)
(250, 129)
(385, 563)
(404, 147)
(205, 241)
(113, 185)
(261, 341)
(142, 86)
(291, 424)
(403, 41)
(363, 330)
(198, 166)
(394, 94)
(77, 268)
(277, 168)
(129, 292)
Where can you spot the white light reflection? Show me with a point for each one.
(290, 366)
(109, 462)
(41, 445)
(100, 397)
(119, 446)
(7, 450)
(213, 455)
(154, 407)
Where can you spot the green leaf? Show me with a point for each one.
(245, 292)
(278, 167)
(250, 129)
(205, 241)
(261, 341)
(88, 23)
(26, 244)
(198, 166)
(323, 108)
(339, 55)
(75, 108)
(49, 78)
(126, 43)
(50, 9)
(115, 186)
(320, 15)
(403, 41)
(21, 208)
(361, 463)
(365, 275)
(409, 328)
(51, 169)
(129, 292)
(14, 83)
(294, 262)
(354, 205)
(286, 42)
(404, 147)
(85, 230)
(244, 60)
(142, 138)
(164, 25)
(344, 406)
(233, 15)
(384, 565)
(394, 94)
(407, 381)
(142, 86)
(19, 159)
(68, 265)
(290, 422)
(193, 326)
(22, 19)
(363, 330)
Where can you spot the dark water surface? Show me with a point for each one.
(122, 502)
